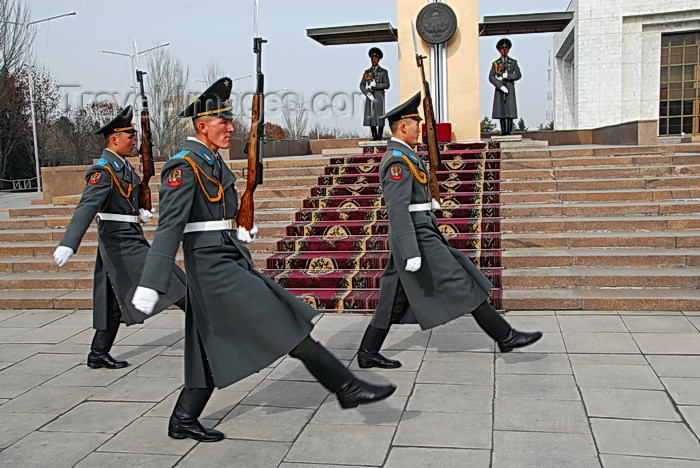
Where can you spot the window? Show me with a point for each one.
(679, 103)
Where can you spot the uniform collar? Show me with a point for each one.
(200, 149)
(117, 161)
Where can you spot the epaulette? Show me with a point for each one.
(411, 156)
(102, 162)
(181, 154)
(206, 157)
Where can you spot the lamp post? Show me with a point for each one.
(134, 65)
(30, 77)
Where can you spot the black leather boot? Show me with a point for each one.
(333, 375)
(368, 354)
(518, 339)
(104, 339)
(380, 132)
(504, 126)
(183, 421)
(500, 331)
(374, 132)
(509, 126)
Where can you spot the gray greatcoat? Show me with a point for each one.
(374, 109)
(508, 108)
(448, 285)
(237, 321)
(122, 247)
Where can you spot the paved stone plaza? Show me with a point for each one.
(612, 390)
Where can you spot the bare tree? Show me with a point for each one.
(295, 117)
(13, 15)
(213, 73)
(167, 89)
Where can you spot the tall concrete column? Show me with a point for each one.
(462, 64)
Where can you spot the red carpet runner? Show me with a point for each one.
(334, 254)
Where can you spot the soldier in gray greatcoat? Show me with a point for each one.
(503, 75)
(425, 281)
(111, 197)
(238, 321)
(373, 83)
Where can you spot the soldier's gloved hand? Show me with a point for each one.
(499, 78)
(413, 264)
(505, 74)
(62, 254)
(245, 235)
(370, 97)
(145, 215)
(372, 84)
(145, 299)
(504, 89)
(435, 205)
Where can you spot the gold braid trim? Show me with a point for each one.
(421, 176)
(197, 171)
(121, 184)
(497, 68)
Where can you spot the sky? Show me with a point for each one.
(219, 32)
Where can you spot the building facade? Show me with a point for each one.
(622, 61)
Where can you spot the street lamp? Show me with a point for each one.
(134, 65)
(31, 88)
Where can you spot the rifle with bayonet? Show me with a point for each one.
(431, 131)
(146, 150)
(246, 210)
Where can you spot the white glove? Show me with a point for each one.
(504, 89)
(62, 254)
(370, 97)
(372, 84)
(435, 205)
(505, 74)
(145, 215)
(145, 299)
(246, 236)
(413, 264)
(499, 78)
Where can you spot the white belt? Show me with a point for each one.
(119, 217)
(420, 207)
(210, 225)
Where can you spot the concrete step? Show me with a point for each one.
(628, 195)
(602, 172)
(565, 240)
(602, 152)
(577, 209)
(555, 185)
(602, 258)
(606, 161)
(602, 299)
(601, 224)
(595, 277)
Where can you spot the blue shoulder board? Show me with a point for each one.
(101, 162)
(397, 153)
(180, 154)
(206, 157)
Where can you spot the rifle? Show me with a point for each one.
(433, 149)
(146, 150)
(246, 210)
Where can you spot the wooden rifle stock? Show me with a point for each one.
(431, 132)
(246, 209)
(146, 150)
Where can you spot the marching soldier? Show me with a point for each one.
(373, 83)
(426, 281)
(503, 75)
(238, 321)
(111, 197)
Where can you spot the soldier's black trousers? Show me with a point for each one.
(104, 339)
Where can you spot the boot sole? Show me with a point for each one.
(101, 366)
(355, 404)
(511, 348)
(367, 365)
(180, 436)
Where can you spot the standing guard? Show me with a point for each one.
(375, 80)
(503, 75)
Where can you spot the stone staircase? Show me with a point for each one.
(584, 228)
(609, 228)
(29, 278)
